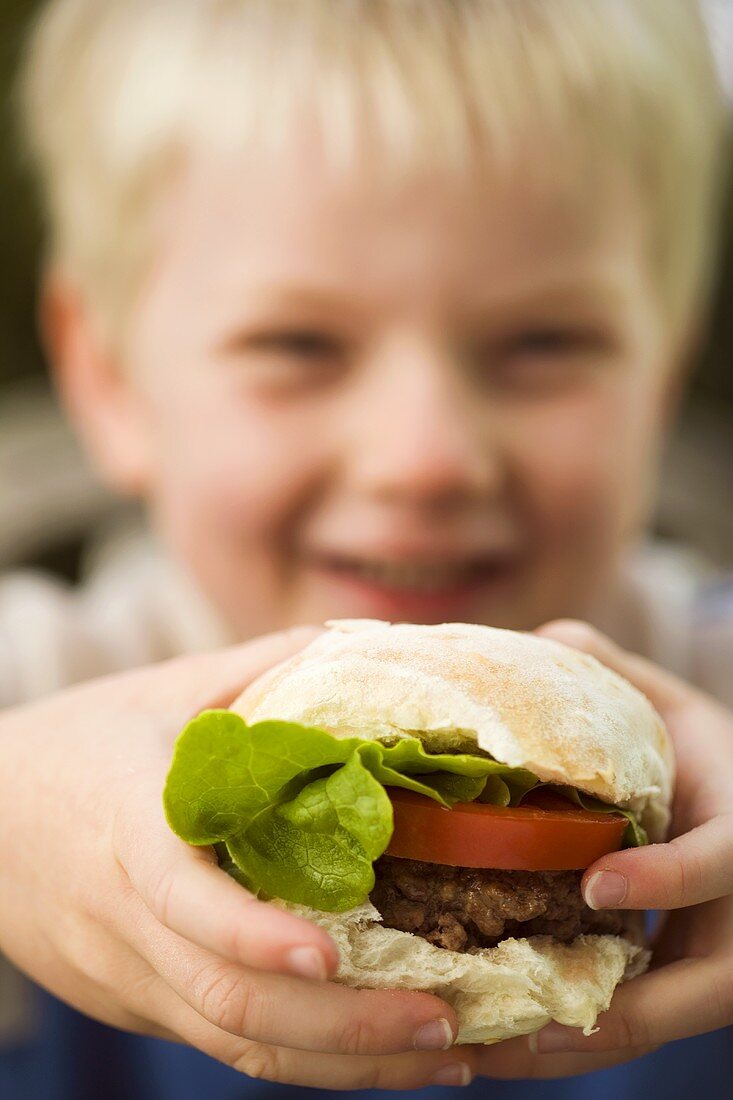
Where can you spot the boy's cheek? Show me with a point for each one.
(578, 519)
(227, 501)
(587, 471)
(223, 518)
(586, 485)
(233, 497)
(595, 436)
(219, 456)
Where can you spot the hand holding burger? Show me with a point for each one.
(431, 797)
(106, 908)
(688, 990)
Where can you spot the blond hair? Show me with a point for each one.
(115, 92)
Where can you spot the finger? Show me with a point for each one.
(291, 1066)
(693, 868)
(294, 1066)
(284, 1011)
(348, 1072)
(517, 1058)
(187, 892)
(331, 1071)
(686, 998)
(193, 683)
(665, 691)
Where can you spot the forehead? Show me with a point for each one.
(297, 216)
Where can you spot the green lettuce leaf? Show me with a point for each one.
(299, 814)
(635, 835)
(319, 848)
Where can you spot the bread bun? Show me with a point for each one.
(527, 701)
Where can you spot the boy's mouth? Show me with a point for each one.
(395, 587)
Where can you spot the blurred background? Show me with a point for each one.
(50, 504)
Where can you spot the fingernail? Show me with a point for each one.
(553, 1039)
(307, 962)
(457, 1073)
(605, 890)
(437, 1035)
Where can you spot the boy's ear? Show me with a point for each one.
(99, 397)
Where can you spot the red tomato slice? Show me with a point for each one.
(562, 837)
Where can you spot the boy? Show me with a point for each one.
(382, 307)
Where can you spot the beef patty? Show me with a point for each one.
(462, 907)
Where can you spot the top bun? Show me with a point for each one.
(527, 701)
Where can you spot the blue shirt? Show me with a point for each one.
(74, 1058)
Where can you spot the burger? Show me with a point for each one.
(431, 796)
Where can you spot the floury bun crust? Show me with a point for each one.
(528, 702)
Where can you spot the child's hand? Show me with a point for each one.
(689, 989)
(104, 906)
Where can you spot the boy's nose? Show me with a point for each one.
(420, 436)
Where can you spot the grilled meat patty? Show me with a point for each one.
(462, 907)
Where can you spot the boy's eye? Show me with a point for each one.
(540, 359)
(547, 342)
(301, 343)
(553, 343)
(283, 360)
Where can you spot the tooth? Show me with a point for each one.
(425, 577)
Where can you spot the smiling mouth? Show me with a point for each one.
(416, 578)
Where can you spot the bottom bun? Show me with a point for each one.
(512, 989)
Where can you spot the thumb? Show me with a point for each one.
(175, 691)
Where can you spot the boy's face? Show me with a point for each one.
(428, 403)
